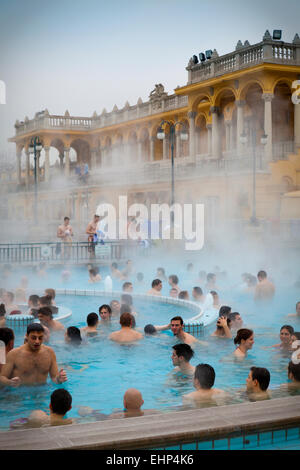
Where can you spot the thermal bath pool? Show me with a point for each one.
(99, 371)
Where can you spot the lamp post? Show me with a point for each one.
(244, 140)
(35, 148)
(183, 136)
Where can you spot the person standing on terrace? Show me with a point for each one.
(65, 234)
(91, 231)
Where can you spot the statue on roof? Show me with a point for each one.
(158, 93)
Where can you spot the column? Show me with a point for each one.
(239, 125)
(227, 135)
(297, 125)
(215, 150)
(267, 97)
(177, 144)
(231, 142)
(191, 116)
(166, 147)
(19, 154)
(139, 151)
(67, 161)
(152, 140)
(27, 170)
(47, 164)
(93, 158)
(38, 176)
(209, 138)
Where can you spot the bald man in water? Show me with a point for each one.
(133, 401)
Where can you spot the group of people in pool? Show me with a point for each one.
(32, 362)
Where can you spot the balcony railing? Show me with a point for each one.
(76, 252)
(246, 56)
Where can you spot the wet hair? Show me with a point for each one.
(34, 299)
(224, 311)
(93, 271)
(46, 300)
(177, 318)
(45, 311)
(92, 319)
(150, 329)
(289, 328)
(114, 265)
(36, 327)
(61, 401)
(66, 218)
(210, 276)
(244, 334)
(262, 375)
(183, 294)
(184, 350)
(126, 284)
(297, 334)
(156, 282)
(126, 299)
(174, 279)
(213, 293)
(205, 374)
(140, 276)
(198, 290)
(74, 334)
(295, 370)
(297, 303)
(111, 302)
(6, 335)
(105, 306)
(126, 319)
(232, 315)
(262, 274)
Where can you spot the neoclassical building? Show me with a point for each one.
(237, 109)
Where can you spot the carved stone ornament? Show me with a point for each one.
(158, 93)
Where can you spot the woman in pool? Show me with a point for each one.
(245, 340)
(286, 338)
(94, 275)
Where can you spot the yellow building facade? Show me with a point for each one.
(237, 109)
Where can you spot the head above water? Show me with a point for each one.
(132, 399)
(224, 311)
(73, 335)
(92, 319)
(150, 329)
(243, 335)
(261, 275)
(60, 401)
(183, 350)
(258, 378)
(204, 376)
(126, 320)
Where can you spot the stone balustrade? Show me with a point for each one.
(246, 56)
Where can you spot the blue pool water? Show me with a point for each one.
(100, 371)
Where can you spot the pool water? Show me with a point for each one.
(99, 371)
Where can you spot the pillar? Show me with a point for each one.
(27, 169)
(139, 151)
(93, 158)
(191, 116)
(67, 161)
(239, 125)
(227, 135)
(209, 138)
(47, 164)
(267, 97)
(152, 144)
(297, 125)
(215, 140)
(19, 154)
(177, 144)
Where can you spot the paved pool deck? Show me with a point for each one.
(160, 430)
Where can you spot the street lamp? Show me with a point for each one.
(183, 136)
(35, 147)
(244, 140)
